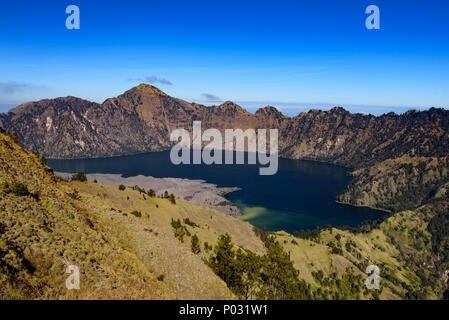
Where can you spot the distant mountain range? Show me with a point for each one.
(141, 119)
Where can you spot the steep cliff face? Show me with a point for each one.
(137, 121)
(58, 124)
(142, 118)
(357, 140)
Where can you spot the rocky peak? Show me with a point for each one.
(147, 90)
(142, 97)
(411, 112)
(338, 110)
(231, 107)
(270, 112)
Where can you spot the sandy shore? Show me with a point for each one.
(194, 191)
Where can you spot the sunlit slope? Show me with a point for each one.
(401, 247)
(45, 226)
(151, 235)
(127, 246)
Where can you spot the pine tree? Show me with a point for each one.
(249, 265)
(223, 262)
(279, 275)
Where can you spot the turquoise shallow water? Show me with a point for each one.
(300, 196)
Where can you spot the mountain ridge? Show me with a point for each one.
(141, 119)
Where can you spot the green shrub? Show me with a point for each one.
(80, 176)
(137, 188)
(172, 199)
(179, 230)
(43, 160)
(335, 249)
(136, 213)
(207, 247)
(189, 222)
(74, 195)
(195, 244)
(4, 185)
(18, 188)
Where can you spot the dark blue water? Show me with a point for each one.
(300, 196)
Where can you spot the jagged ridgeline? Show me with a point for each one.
(142, 119)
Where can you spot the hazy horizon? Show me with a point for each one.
(290, 109)
(292, 55)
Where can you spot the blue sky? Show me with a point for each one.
(294, 55)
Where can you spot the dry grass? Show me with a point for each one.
(123, 256)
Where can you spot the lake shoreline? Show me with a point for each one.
(194, 191)
(300, 196)
(361, 206)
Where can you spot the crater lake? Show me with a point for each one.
(300, 196)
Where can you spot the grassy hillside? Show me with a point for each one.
(46, 225)
(403, 183)
(129, 245)
(401, 247)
